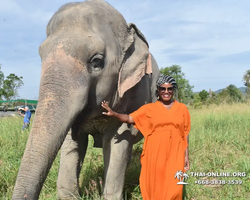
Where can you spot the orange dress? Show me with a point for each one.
(164, 148)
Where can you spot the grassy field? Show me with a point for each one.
(219, 142)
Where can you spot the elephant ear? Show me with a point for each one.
(136, 62)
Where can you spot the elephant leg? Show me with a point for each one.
(117, 154)
(72, 156)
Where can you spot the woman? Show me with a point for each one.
(165, 125)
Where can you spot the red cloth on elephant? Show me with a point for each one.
(164, 148)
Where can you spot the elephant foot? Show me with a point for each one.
(112, 197)
(66, 194)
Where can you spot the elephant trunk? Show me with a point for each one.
(60, 101)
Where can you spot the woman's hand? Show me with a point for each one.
(122, 117)
(105, 105)
(187, 164)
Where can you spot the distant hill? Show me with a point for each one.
(242, 89)
(218, 91)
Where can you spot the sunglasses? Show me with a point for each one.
(163, 89)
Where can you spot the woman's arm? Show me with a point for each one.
(122, 117)
(187, 164)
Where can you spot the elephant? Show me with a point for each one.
(90, 54)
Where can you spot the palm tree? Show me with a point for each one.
(178, 175)
(185, 176)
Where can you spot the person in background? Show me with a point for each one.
(27, 116)
(165, 125)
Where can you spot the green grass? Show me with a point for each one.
(219, 142)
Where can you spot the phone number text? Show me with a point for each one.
(219, 182)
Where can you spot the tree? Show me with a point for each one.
(203, 95)
(246, 80)
(230, 94)
(9, 86)
(184, 93)
(234, 93)
(197, 101)
(1, 83)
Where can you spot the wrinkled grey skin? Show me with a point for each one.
(91, 54)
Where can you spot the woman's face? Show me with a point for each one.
(166, 91)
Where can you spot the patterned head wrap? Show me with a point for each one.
(166, 79)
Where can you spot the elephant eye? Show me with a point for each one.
(97, 62)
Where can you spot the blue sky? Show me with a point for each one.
(210, 40)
